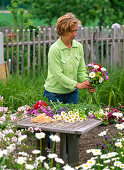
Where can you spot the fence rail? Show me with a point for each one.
(27, 49)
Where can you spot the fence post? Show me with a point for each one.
(1, 49)
(4, 73)
(115, 27)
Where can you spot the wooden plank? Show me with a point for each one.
(118, 58)
(4, 73)
(55, 34)
(88, 127)
(113, 48)
(86, 45)
(61, 127)
(63, 147)
(39, 53)
(107, 45)
(97, 45)
(73, 152)
(12, 53)
(91, 45)
(17, 67)
(28, 57)
(82, 35)
(34, 59)
(7, 49)
(44, 49)
(49, 34)
(102, 62)
(23, 47)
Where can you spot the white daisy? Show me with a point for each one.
(91, 162)
(117, 163)
(92, 74)
(122, 166)
(71, 120)
(46, 165)
(40, 135)
(112, 154)
(63, 113)
(117, 114)
(67, 167)
(40, 158)
(29, 166)
(52, 155)
(103, 69)
(86, 166)
(101, 80)
(118, 144)
(119, 126)
(96, 66)
(36, 151)
(70, 113)
(59, 160)
(21, 160)
(55, 138)
(102, 133)
(96, 152)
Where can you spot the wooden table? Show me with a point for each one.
(71, 131)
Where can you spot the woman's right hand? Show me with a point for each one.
(84, 85)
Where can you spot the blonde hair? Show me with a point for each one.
(65, 23)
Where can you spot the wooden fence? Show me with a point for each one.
(26, 51)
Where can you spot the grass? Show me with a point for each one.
(20, 91)
(112, 93)
(6, 19)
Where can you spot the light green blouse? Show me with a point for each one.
(66, 67)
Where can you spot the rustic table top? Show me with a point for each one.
(77, 127)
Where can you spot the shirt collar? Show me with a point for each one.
(63, 46)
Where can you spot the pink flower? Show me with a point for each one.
(107, 77)
(92, 116)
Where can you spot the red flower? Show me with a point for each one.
(99, 69)
(39, 104)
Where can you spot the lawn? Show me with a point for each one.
(6, 19)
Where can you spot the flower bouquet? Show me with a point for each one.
(97, 74)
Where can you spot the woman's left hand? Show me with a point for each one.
(92, 90)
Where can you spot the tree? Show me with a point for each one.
(106, 12)
(4, 3)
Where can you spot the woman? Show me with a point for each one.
(66, 66)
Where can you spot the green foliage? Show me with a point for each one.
(20, 17)
(20, 91)
(111, 93)
(90, 12)
(106, 12)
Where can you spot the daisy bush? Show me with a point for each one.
(16, 154)
(108, 115)
(71, 116)
(109, 155)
